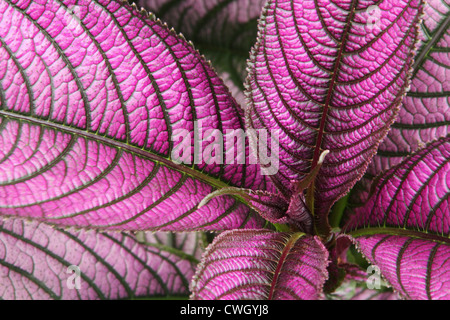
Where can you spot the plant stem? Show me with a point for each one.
(337, 212)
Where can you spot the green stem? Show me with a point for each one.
(337, 212)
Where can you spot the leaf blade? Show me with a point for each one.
(310, 86)
(111, 86)
(224, 30)
(412, 195)
(35, 261)
(404, 227)
(261, 264)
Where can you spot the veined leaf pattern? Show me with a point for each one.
(416, 268)
(223, 30)
(38, 262)
(92, 93)
(327, 80)
(425, 112)
(405, 226)
(261, 264)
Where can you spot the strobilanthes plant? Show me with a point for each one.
(328, 133)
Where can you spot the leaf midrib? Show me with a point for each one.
(146, 154)
(335, 72)
(284, 254)
(393, 231)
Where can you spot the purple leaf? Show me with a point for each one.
(223, 30)
(405, 226)
(261, 264)
(424, 115)
(275, 208)
(95, 100)
(326, 79)
(416, 268)
(219, 23)
(40, 262)
(189, 244)
(413, 194)
(425, 112)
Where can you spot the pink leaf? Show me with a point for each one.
(324, 77)
(405, 226)
(40, 262)
(261, 264)
(97, 100)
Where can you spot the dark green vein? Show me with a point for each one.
(150, 77)
(45, 168)
(289, 245)
(143, 263)
(393, 172)
(181, 70)
(31, 277)
(220, 125)
(398, 263)
(437, 35)
(292, 76)
(429, 94)
(385, 30)
(110, 70)
(167, 195)
(66, 61)
(382, 65)
(230, 209)
(418, 193)
(144, 183)
(177, 270)
(15, 144)
(103, 174)
(397, 231)
(102, 261)
(54, 256)
(307, 50)
(274, 117)
(216, 182)
(251, 270)
(429, 267)
(433, 211)
(386, 88)
(317, 6)
(419, 126)
(26, 80)
(375, 247)
(340, 52)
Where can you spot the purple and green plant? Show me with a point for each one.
(100, 100)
